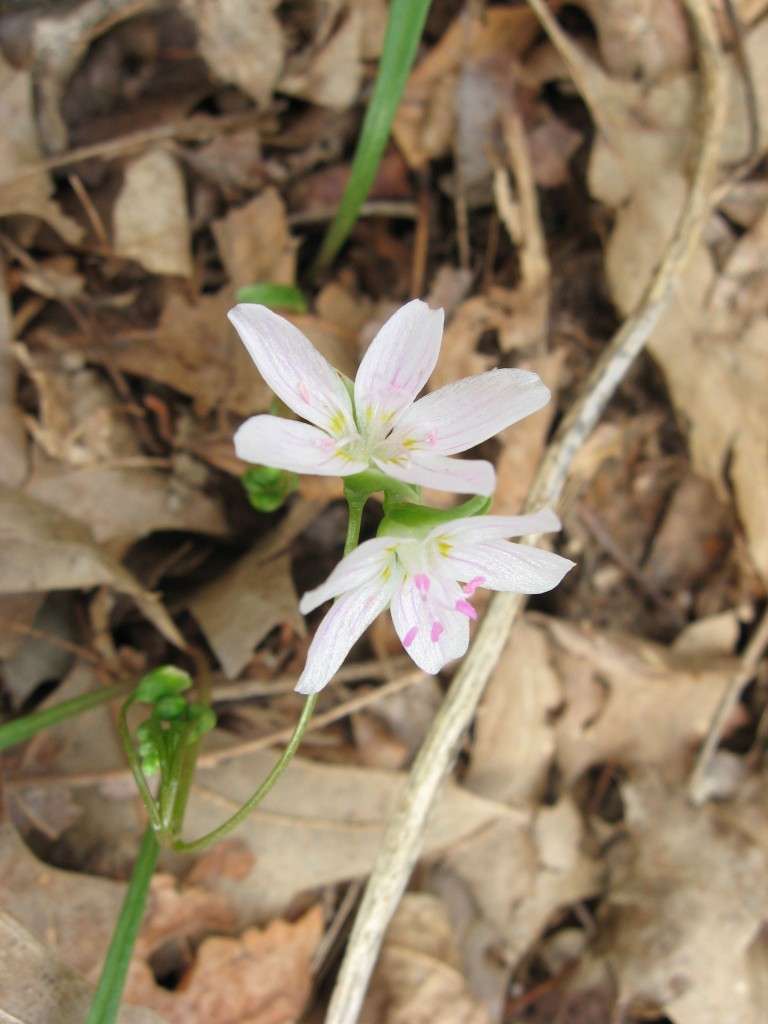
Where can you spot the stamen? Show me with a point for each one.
(466, 609)
(410, 636)
(437, 629)
(422, 584)
(471, 587)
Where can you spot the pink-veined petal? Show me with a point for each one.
(428, 622)
(372, 560)
(429, 469)
(398, 363)
(479, 529)
(502, 565)
(294, 369)
(288, 444)
(469, 411)
(344, 624)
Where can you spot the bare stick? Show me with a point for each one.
(403, 839)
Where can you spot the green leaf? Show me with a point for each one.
(276, 296)
(404, 27)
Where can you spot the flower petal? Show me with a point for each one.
(372, 560)
(429, 469)
(431, 628)
(344, 624)
(398, 363)
(469, 411)
(502, 565)
(294, 369)
(479, 529)
(288, 444)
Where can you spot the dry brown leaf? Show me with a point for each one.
(255, 243)
(508, 882)
(196, 351)
(424, 125)
(717, 378)
(44, 549)
(514, 734)
(122, 504)
(611, 683)
(149, 218)
(262, 977)
(13, 451)
(330, 76)
(419, 976)
(242, 41)
(687, 898)
(642, 39)
(321, 825)
(523, 443)
(36, 989)
(22, 192)
(246, 603)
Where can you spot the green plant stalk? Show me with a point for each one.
(106, 1001)
(135, 765)
(22, 728)
(404, 27)
(285, 759)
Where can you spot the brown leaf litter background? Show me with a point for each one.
(585, 862)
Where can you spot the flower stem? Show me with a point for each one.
(106, 1001)
(22, 728)
(356, 501)
(264, 788)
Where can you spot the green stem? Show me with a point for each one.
(356, 501)
(264, 788)
(404, 27)
(135, 765)
(22, 728)
(106, 1001)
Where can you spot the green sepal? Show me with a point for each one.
(371, 481)
(204, 719)
(167, 680)
(405, 518)
(268, 488)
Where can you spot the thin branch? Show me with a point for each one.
(403, 839)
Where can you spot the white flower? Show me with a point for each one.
(378, 425)
(418, 578)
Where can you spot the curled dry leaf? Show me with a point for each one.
(254, 596)
(44, 549)
(255, 243)
(682, 924)
(331, 76)
(612, 682)
(242, 42)
(23, 191)
(716, 371)
(424, 125)
(150, 220)
(261, 977)
(419, 976)
(321, 825)
(36, 989)
(642, 39)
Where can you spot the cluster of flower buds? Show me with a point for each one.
(174, 722)
(425, 564)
